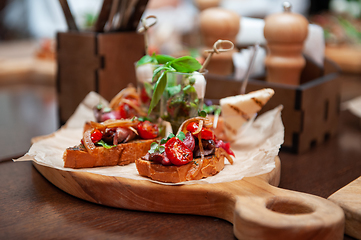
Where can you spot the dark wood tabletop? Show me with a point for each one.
(33, 208)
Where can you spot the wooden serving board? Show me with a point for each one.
(349, 199)
(257, 209)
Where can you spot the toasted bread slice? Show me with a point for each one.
(122, 154)
(194, 170)
(237, 110)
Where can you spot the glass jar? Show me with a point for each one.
(183, 97)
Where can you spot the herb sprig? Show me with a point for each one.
(158, 148)
(186, 64)
(105, 145)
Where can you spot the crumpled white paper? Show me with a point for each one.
(255, 149)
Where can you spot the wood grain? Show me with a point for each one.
(311, 110)
(348, 198)
(119, 52)
(285, 34)
(257, 210)
(77, 66)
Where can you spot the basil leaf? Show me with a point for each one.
(174, 90)
(163, 59)
(158, 70)
(105, 145)
(163, 141)
(186, 64)
(146, 59)
(181, 136)
(148, 88)
(158, 91)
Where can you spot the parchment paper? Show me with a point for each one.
(255, 148)
(354, 105)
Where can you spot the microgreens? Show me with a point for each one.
(215, 109)
(142, 119)
(202, 113)
(156, 148)
(105, 145)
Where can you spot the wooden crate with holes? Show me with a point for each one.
(311, 110)
(99, 62)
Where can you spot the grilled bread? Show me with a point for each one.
(195, 170)
(237, 110)
(122, 154)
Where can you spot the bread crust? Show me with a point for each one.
(122, 154)
(210, 166)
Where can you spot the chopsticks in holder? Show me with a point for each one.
(111, 19)
(68, 15)
(119, 17)
(103, 16)
(130, 8)
(136, 15)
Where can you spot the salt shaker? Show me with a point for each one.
(285, 34)
(218, 23)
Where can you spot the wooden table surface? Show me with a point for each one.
(33, 208)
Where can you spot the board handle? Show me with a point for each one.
(287, 215)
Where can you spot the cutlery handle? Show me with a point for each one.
(287, 215)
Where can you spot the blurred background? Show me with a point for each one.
(28, 99)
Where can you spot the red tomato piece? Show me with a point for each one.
(96, 136)
(123, 110)
(144, 96)
(225, 146)
(147, 130)
(177, 152)
(192, 127)
(206, 134)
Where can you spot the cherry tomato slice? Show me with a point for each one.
(96, 136)
(177, 152)
(147, 130)
(192, 127)
(206, 134)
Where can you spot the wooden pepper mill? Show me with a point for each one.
(285, 34)
(217, 23)
(204, 4)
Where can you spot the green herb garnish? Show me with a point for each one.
(105, 145)
(181, 136)
(147, 59)
(156, 148)
(142, 119)
(202, 113)
(186, 64)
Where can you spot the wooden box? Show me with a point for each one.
(311, 110)
(99, 62)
